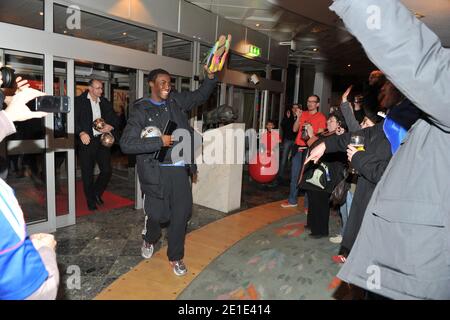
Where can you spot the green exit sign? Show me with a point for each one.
(254, 51)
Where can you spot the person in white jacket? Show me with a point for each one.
(403, 248)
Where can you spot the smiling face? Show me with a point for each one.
(160, 87)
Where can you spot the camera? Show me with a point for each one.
(8, 77)
(305, 135)
(53, 104)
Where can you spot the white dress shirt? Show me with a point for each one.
(96, 112)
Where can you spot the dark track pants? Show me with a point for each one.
(176, 207)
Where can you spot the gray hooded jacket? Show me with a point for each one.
(403, 248)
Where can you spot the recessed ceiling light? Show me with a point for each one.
(349, 65)
(315, 49)
(124, 33)
(419, 15)
(258, 24)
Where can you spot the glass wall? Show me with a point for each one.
(60, 131)
(24, 152)
(204, 53)
(26, 13)
(177, 48)
(239, 63)
(98, 28)
(60, 89)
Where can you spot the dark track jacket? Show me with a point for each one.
(144, 114)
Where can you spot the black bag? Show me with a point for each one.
(339, 194)
(318, 176)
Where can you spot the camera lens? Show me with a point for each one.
(8, 77)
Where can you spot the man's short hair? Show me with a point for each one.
(316, 96)
(91, 82)
(155, 73)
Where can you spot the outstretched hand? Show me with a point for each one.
(208, 72)
(346, 93)
(40, 240)
(316, 153)
(351, 150)
(21, 84)
(17, 109)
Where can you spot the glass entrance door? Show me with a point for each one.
(61, 151)
(39, 157)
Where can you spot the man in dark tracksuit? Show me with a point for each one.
(166, 186)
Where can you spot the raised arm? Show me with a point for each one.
(188, 100)
(405, 49)
(349, 117)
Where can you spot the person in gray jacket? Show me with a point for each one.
(403, 248)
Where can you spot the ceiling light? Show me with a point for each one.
(315, 49)
(41, 13)
(349, 65)
(419, 15)
(124, 33)
(258, 24)
(65, 31)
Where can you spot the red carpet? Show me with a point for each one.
(112, 201)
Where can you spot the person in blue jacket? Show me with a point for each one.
(28, 268)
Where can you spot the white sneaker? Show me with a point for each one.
(146, 250)
(178, 267)
(288, 205)
(337, 239)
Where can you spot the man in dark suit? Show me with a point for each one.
(90, 106)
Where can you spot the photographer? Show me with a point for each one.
(9, 87)
(28, 263)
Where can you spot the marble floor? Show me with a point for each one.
(103, 246)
